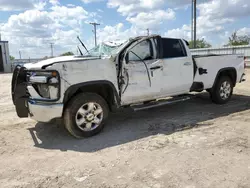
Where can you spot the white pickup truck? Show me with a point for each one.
(140, 74)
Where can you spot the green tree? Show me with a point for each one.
(12, 58)
(200, 43)
(236, 40)
(67, 54)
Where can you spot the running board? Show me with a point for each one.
(160, 103)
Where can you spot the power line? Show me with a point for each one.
(95, 24)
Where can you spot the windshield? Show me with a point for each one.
(105, 49)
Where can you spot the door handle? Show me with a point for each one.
(187, 63)
(156, 67)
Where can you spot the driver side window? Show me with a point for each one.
(143, 50)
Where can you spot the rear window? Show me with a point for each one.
(173, 48)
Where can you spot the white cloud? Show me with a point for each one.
(214, 17)
(99, 10)
(33, 30)
(152, 19)
(54, 2)
(184, 32)
(131, 7)
(183, 3)
(46, 21)
(143, 14)
(40, 5)
(6, 5)
(118, 32)
(244, 31)
(225, 8)
(70, 5)
(69, 13)
(91, 1)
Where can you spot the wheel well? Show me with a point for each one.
(104, 90)
(231, 73)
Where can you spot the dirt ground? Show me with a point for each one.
(194, 144)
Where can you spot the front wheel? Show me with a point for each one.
(223, 90)
(85, 115)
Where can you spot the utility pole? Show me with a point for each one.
(51, 47)
(148, 31)
(95, 24)
(192, 22)
(195, 23)
(20, 55)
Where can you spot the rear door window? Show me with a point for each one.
(173, 48)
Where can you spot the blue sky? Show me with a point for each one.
(30, 25)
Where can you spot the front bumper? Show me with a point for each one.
(41, 111)
(44, 112)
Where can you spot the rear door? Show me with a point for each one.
(178, 68)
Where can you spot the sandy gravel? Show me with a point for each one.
(194, 144)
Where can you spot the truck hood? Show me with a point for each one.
(40, 64)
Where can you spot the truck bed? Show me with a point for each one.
(213, 64)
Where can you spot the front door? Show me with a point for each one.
(142, 73)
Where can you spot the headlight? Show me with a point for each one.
(38, 79)
(46, 84)
(43, 77)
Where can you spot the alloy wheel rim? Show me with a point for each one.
(225, 90)
(89, 116)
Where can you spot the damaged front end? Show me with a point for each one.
(30, 87)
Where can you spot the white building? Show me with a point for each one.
(5, 64)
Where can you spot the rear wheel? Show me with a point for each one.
(223, 90)
(85, 115)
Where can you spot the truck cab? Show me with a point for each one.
(155, 67)
(83, 90)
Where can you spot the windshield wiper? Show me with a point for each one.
(80, 51)
(82, 44)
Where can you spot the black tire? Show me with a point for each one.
(219, 95)
(208, 90)
(71, 111)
